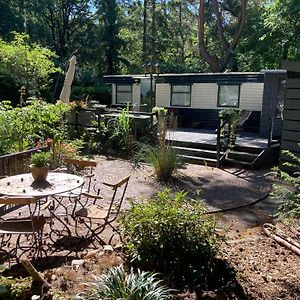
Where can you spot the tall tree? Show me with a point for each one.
(11, 17)
(178, 38)
(229, 22)
(63, 20)
(145, 21)
(270, 25)
(108, 11)
(282, 24)
(149, 30)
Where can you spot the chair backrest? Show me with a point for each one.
(79, 165)
(244, 116)
(19, 201)
(14, 200)
(117, 198)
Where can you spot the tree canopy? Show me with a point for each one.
(120, 36)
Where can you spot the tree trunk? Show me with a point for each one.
(212, 61)
(153, 31)
(144, 53)
(182, 48)
(219, 64)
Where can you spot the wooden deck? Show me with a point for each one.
(206, 136)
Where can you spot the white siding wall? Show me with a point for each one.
(204, 95)
(163, 93)
(251, 96)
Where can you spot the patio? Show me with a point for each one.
(220, 191)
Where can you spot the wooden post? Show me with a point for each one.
(34, 273)
(218, 143)
(270, 132)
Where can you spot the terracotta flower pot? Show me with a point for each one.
(39, 174)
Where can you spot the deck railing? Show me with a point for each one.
(17, 163)
(224, 141)
(97, 115)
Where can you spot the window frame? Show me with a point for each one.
(129, 92)
(190, 93)
(239, 95)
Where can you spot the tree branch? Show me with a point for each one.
(215, 6)
(212, 61)
(237, 35)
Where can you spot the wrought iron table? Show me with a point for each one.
(23, 185)
(56, 184)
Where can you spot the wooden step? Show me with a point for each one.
(236, 163)
(196, 152)
(199, 160)
(248, 149)
(242, 156)
(193, 145)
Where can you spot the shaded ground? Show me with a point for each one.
(264, 269)
(218, 189)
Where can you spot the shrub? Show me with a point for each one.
(26, 63)
(165, 161)
(116, 284)
(163, 158)
(232, 116)
(20, 128)
(289, 196)
(9, 88)
(171, 235)
(13, 288)
(116, 135)
(121, 131)
(40, 159)
(100, 93)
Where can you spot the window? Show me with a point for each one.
(229, 95)
(124, 94)
(181, 95)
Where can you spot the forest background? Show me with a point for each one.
(120, 37)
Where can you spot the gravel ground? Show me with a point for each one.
(264, 269)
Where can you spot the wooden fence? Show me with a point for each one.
(291, 124)
(17, 163)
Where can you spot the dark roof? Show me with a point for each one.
(187, 78)
(210, 78)
(120, 79)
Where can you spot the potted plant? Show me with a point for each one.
(40, 165)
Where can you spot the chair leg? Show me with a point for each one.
(7, 254)
(93, 233)
(115, 232)
(34, 248)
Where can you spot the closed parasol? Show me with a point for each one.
(66, 90)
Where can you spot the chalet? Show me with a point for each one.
(197, 98)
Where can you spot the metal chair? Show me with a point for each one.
(2, 206)
(78, 167)
(31, 226)
(95, 217)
